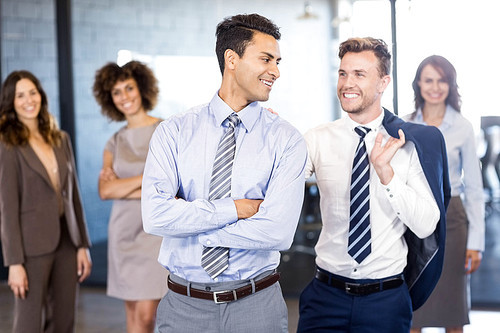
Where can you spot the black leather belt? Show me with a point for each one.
(359, 289)
(225, 296)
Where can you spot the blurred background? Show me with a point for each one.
(63, 42)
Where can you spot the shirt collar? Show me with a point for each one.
(248, 115)
(373, 125)
(419, 117)
(448, 119)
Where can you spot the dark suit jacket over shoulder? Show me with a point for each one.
(425, 256)
(29, 208)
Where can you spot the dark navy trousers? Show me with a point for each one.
(324, 308)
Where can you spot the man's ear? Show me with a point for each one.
(384, 82)
(230, 57)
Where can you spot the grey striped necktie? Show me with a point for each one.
(359, 245)
(216, 259)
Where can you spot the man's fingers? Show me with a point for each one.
(402, 135)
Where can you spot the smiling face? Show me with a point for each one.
(127, 97)
(256, 71)
(360, 85)
(433, 86)
(27, 101)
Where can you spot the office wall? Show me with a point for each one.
(154, 29)
(29, 42)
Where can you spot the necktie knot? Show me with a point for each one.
(362, 131)
(233, 119)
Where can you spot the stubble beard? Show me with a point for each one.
(353, 109)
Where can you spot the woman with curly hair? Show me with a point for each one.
(128, 93)
(43, 231)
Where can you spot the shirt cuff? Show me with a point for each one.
(475, 243)
(392, 192)
(226, 215)
(225, 211)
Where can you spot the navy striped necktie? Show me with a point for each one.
(359, 245)
(216, 259)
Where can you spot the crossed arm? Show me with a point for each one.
(246, 208)
(244, 223)
(112, 187)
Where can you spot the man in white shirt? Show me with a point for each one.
(361, 252)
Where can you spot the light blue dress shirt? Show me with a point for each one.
(269, 164)
(464, 170)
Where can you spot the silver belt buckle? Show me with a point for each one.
(349, 286)
(216, 300)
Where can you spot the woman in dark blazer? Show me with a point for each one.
(43, 231)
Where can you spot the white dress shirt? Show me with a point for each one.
(406, 202)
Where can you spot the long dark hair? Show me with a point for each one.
(448, 72)
(12, 131)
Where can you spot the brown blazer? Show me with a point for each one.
(29, 214)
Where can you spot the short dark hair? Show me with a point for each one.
(12, 131)
(378, 46)
(111, 73)
(236, 32)
(448, 72)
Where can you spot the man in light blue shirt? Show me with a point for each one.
(260, 216)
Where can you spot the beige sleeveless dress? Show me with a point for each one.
(133, 270)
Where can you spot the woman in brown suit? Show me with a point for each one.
(43, 231)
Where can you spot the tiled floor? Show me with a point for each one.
(98, 313)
